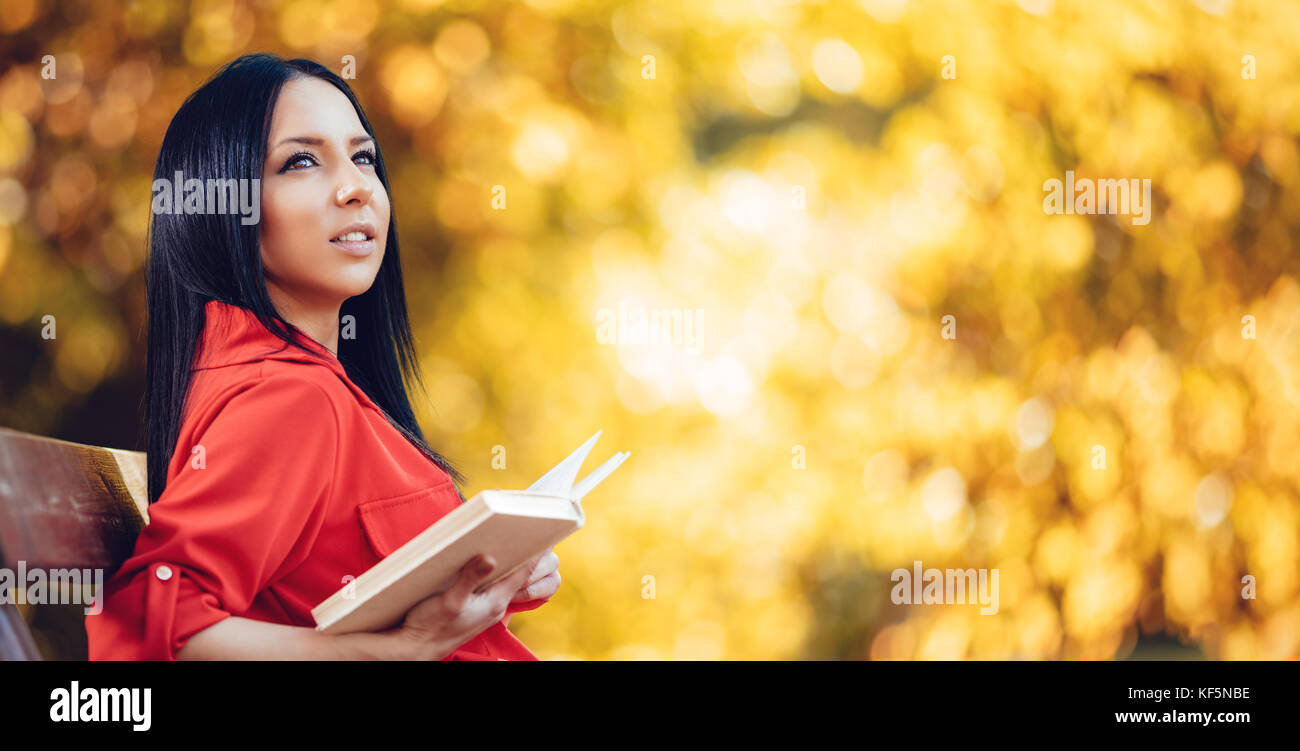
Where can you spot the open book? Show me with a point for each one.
(513, 526)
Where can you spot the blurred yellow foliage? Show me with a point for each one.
(1108, 418)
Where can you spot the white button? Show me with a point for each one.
(164, 573)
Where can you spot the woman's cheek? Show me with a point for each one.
(288, 257)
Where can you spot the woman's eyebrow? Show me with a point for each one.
(318, 141)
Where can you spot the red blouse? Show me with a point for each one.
(286, 480)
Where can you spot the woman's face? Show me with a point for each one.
(324, 212)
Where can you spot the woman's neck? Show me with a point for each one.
(319, 321)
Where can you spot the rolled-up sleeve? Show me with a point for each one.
(242, 509)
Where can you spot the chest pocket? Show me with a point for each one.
(389, 523)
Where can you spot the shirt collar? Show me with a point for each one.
(233, 335)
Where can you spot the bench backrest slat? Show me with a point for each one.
(64, 505)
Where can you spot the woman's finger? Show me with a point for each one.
(509, 585)
(548, 565)
(472, 574)
(543, 588)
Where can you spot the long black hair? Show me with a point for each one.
(221, 132)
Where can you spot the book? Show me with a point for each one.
(513, 526)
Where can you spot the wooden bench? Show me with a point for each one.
(63, 506)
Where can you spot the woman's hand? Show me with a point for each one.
(436, 626)
(543, 581)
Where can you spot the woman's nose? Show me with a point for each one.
(353, 190)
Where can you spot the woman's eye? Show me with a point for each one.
(297, 159)
(368, 155)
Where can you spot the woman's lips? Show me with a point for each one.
(355, 247)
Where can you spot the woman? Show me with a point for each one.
(284, 459)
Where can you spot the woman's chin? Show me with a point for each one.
(351, 285)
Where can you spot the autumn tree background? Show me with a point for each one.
(1108, 418)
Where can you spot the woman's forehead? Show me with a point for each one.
(310, 106)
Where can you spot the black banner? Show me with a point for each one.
(984, 700)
